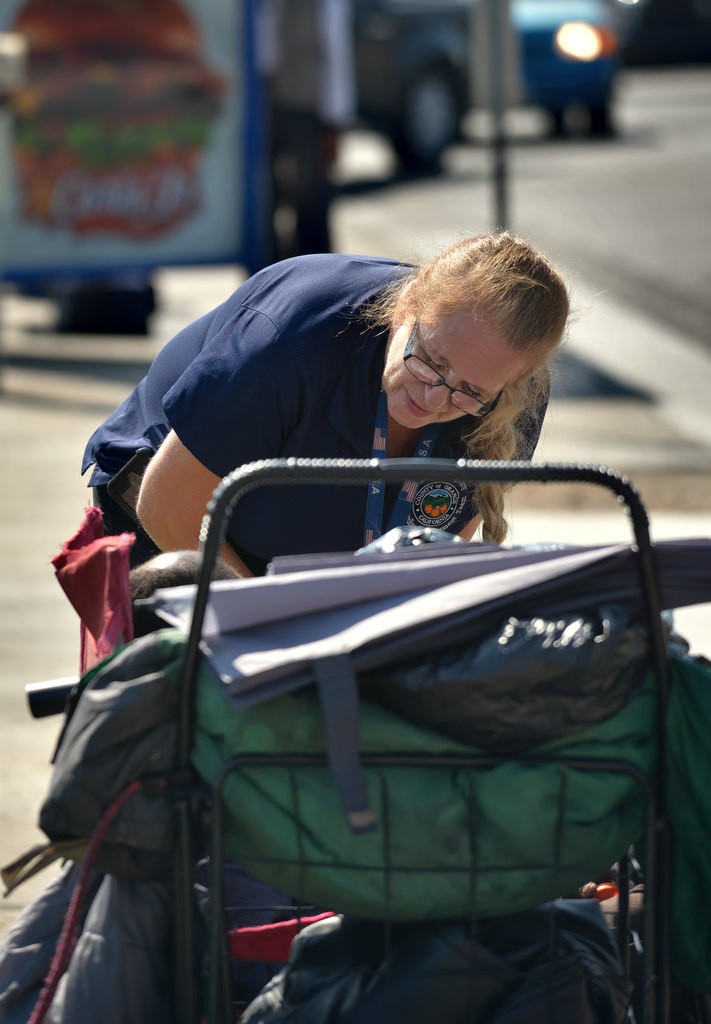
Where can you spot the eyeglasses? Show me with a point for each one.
(427, 374)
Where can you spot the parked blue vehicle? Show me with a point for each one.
(571, 56)
(415, 78)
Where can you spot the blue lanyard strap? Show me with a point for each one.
(375, 505)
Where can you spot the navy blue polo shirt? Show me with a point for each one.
(285, 367)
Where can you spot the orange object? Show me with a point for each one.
(605, 891)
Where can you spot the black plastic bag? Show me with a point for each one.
(526, 682)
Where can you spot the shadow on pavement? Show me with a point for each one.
(574, 378)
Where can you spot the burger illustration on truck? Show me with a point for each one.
(115, 116)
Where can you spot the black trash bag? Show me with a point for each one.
(529, 681)
(556, 963)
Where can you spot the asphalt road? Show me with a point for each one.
(629, 214)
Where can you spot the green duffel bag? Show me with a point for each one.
(450, 840)
(688, 779)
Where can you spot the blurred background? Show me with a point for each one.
(153, 155)
(126, 152)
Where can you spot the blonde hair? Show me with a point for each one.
(502, 279)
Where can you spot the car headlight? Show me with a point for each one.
(579, 41)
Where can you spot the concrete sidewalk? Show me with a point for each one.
(55, 390)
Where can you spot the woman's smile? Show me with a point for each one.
(474, 355)
(417, 409)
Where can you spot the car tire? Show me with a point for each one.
(429, 120)
(557, 122)
(601, 124)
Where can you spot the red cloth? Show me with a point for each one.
(268, 943)
(92, 570)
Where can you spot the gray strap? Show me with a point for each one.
(338, 693)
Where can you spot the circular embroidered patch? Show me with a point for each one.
(436, 504)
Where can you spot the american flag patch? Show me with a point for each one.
(409, 488)
(380, 440)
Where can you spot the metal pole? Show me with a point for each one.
(496, 27)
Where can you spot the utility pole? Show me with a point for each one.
(499, 141)
(496, 85)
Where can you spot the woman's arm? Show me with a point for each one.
(174, 495)
(470, 529)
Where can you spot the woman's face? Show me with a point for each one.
(469, 355)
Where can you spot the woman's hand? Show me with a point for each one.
(175, 491)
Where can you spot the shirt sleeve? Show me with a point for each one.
(239, 397)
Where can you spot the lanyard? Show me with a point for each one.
(375, 505)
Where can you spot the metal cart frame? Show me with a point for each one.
(190, 801)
